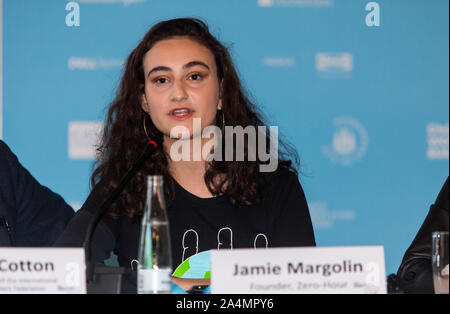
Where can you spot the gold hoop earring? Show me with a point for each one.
(145, 128)
(223, 122)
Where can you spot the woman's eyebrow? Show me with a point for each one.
(159, 68)
(194, 63)
(187, 65)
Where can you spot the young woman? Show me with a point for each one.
(181, 77)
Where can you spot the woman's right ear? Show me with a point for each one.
(144, 103)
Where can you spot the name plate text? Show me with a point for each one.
(42, 270)
(358, 269)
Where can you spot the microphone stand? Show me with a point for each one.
(105, 279)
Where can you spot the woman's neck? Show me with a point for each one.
(188, 172)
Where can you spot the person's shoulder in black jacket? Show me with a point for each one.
(30, 214)
(414, 274)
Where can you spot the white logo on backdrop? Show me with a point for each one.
(438, 142)
(278, 61)
(349, 143)
(373, 17)
(124, 2)
(265, 3)
(323, 218)
(334, 64)
(295, 3)
(93, 63)
(73, 17)
(83, 139)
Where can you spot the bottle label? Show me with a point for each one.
(154, 280)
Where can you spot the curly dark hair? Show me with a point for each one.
(124, 136)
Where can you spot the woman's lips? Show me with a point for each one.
(181, 114)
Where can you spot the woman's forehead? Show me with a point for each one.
(176, 52)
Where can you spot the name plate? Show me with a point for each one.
(42, 270)
(356, 269)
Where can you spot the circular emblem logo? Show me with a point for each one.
(349, 141)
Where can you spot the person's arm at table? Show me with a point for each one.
(36, 216)
(415, 273)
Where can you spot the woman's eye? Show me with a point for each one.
(160, 80)
(195, 77)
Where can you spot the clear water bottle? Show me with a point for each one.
(155, 255)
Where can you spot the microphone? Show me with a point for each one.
(90, 265)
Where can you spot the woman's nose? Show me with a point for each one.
(178, 92)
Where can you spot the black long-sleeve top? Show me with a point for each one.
(196, 224)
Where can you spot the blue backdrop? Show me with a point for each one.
(360, 89)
